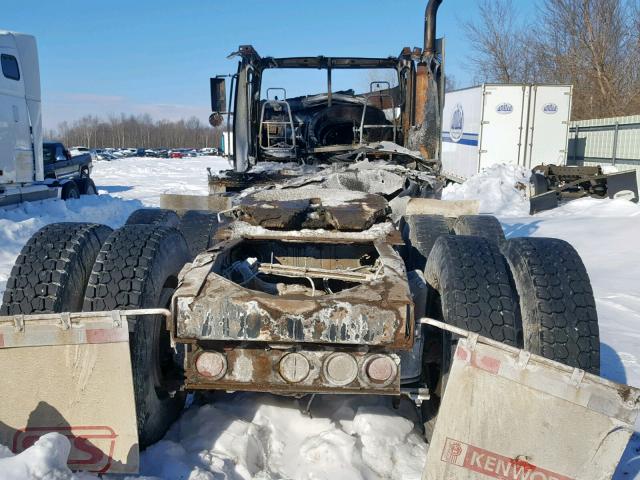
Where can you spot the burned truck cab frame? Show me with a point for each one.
(316, 127)
(305, 290)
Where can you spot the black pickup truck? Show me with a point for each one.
(70, 172)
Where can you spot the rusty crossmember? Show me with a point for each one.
(296, 272)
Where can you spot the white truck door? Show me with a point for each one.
(549, 117)
(502, 132)
(16, 153)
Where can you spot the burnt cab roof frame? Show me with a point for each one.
(250, 55)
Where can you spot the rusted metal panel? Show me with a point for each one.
(313, 208)
(301, 371)
(208, 306)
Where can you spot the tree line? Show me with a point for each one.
(139, 131)
(592, 44)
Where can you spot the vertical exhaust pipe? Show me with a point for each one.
(430, 14)
(425, 134)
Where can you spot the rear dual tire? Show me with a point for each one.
(138, 267)
(559, 319)
(535, 295)
(469, 286)
(74, 188)
(53, 268)
(197, 226)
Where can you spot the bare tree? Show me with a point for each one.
(500, 44)
(592, 44)
(595, 45)
(139, 131)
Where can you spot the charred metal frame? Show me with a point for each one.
(246, 121)
(254, 330)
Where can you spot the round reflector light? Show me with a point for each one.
(294, 367)
(340, 368)
(211, 364)
(380, 369)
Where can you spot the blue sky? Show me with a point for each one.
(149, 56)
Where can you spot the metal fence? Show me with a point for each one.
(606, 141)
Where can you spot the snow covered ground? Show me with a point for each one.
(144, 178)
(245, 436)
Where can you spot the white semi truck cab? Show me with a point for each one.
(26, 174)
(21, 163)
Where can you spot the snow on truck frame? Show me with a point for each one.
(322, 263)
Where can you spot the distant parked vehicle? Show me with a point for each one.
(70, 172)
(83, 150)
(176, 154)
(106, 156)
(209, 151)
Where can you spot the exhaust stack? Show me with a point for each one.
(430, 14)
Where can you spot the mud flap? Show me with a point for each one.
(543, 201)
(623, 184)
(71, 374)
(509, 414)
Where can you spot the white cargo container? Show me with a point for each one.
(515, 124)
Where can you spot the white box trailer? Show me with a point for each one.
(517, 124)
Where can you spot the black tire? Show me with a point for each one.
(87, 186)
(138, 267)
(70, 190)
(420, 233)
(470, 287)
(485, 226)
(539, 183)
(52, 270)
(154, 216)
(559, 318)
(198, 228)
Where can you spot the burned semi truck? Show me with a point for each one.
(322, 263)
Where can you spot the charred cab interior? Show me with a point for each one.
(269, 126)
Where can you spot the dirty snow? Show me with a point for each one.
(244, 436)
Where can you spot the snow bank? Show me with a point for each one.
(46, 459)
(261, 436)
(500, 189)
(19, 223)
